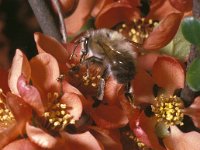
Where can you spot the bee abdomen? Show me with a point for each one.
(123, 72)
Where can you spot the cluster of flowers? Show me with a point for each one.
(39, 111)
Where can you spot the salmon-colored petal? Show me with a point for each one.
(45, 72)
(74, 105)
(182, 5)
(108, 117)
(23, 144)
(159, 9)
(4, 80)
(84, 141)
(80, 16)
(110, 16)
(30, 95)
(109, 138)
(143, 87)
(21, 113)
(164, 32)
(144, 129)
(68, 6)
(168, 73)
(10, 133)
(182, 141)
(20, 65)
(125, 104)
(111, 91)
(68, 88)
(52, 46)
(20, 110)
(40, 137)
(100, 4)
(147, 61)
(194, 111)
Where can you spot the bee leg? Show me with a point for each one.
(101, 87)
(60, 80)
(92, 59)
(129, 93)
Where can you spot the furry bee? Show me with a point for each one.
(113, 51)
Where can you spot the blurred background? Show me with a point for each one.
(17, 25)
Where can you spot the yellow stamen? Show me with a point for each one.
(168, 110)
(6, 116)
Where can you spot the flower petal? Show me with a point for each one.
(108, 117)
(144, 129)
(20, 65)
(68, 6)
(52, 46)
(109, 138)
(164, 32)
(30, 95)
(21, 111)
(194, 111)
(23, 144)
(100, 4)
(81, 15)
(45, 72)
(159, 9)
(74, 104)
(110, 16)
(179, 141)
(168, 73)
(111, 91)
(143, 87)
(182, 5)
(84, 141)
(147, 61)
(39, 137)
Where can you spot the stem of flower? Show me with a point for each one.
(45, 18)
(187, 94)
(61, 18)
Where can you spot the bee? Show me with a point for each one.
(114, 52)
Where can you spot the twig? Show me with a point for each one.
(61, 18)
(187, 94)
(45, 18)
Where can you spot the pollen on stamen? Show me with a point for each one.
(168, 110)
(137, 30)
(131, 136)
(6, 116)
(57, 118)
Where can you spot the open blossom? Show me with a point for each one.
(167, 108)
(14, 113)
(55, 106)
(52, 113)
(102, 115)
(137, 28)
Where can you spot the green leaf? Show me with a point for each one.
(193, 75)
(191, 30)
(178, 47)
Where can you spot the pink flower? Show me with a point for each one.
(100, 115)
(168, 74)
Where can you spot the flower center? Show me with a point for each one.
(57, 117)
(133, 138)
(6, 116)
(168, 110)
(86, 81)
(137, 30)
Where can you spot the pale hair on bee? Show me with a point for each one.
(114, 52)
